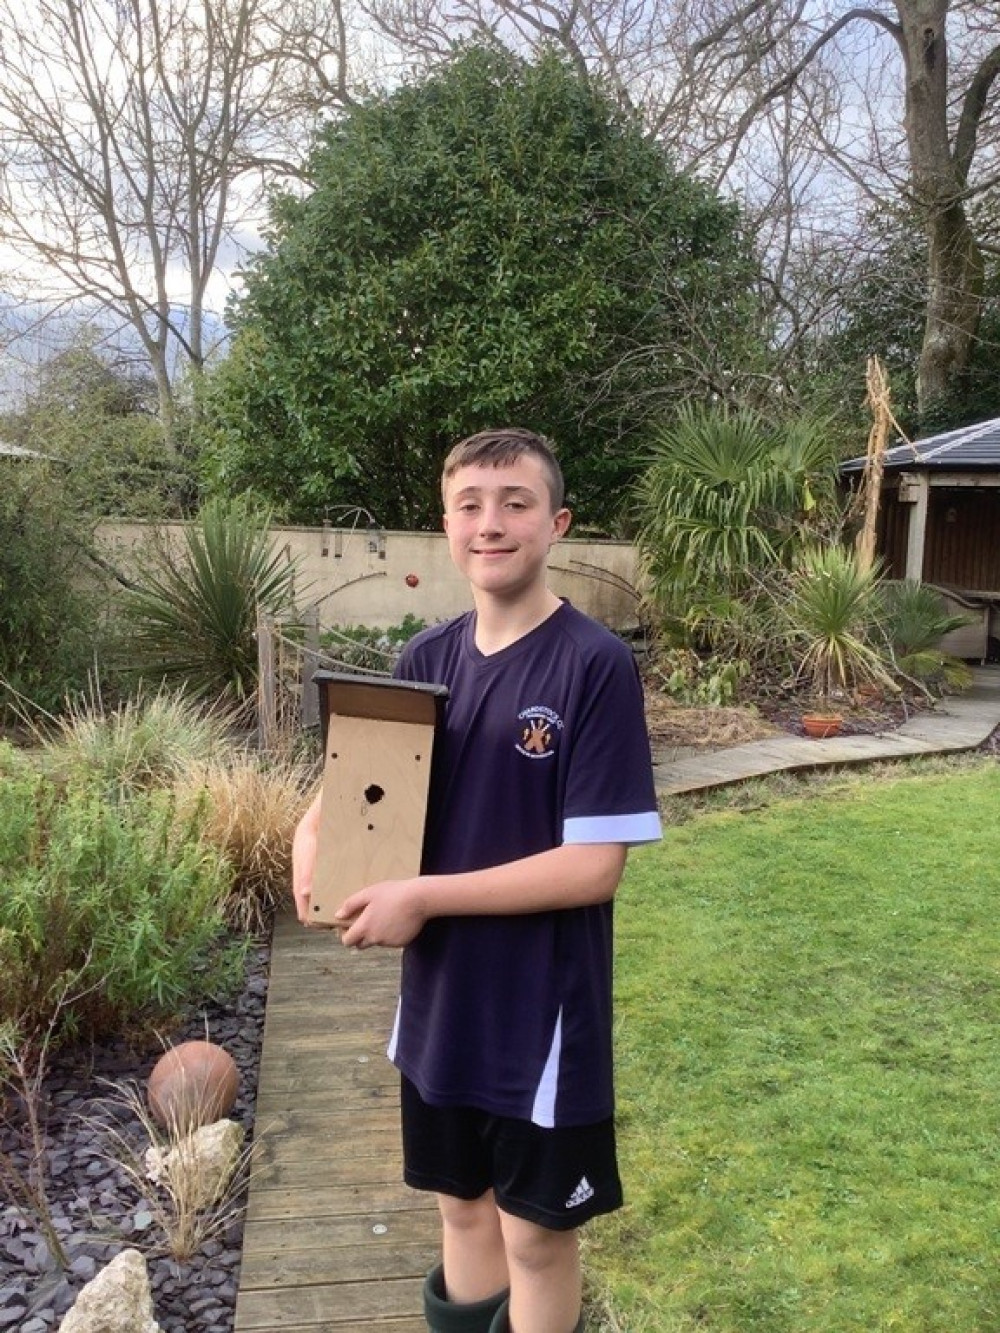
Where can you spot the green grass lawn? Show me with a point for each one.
(808, 1045)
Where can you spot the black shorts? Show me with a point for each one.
(558, 1178)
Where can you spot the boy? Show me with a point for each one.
(541, 781)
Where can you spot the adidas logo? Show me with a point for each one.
(581, 1194)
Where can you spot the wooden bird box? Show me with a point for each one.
(378, 739)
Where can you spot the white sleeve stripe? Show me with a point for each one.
(631, 829)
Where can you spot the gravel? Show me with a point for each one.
(97, 1208)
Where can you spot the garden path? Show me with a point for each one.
(334, 1243)
(959, 722)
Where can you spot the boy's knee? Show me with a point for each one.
(536, 1249)
(468, 1214)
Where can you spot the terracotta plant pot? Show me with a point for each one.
(821, 725)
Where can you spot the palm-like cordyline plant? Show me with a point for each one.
(834, 614)
(193, 618)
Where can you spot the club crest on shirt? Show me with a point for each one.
(539, 729)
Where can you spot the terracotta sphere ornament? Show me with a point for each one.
(192, 1084)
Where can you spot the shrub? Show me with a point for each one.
(363, 648)
(49, 622)
(110, 919)
(916, 621)
(696, 681)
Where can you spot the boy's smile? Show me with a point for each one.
(500, 525)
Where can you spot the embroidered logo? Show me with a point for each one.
(581, 1194)
(539, 729)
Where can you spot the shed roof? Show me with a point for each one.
(964, 450)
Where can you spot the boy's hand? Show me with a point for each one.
(390, 913)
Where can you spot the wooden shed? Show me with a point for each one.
(939, 523)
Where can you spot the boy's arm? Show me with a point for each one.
(393, 912)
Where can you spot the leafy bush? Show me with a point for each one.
(110, 919)
(697, 681)
(49, 621)
(362, 648)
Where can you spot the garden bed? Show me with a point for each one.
(96, 1207)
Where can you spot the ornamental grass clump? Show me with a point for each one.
(249, 806)
(143, 743)
(179, 1209)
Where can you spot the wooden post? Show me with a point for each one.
(267, 712)
(878, 401)
(309, 702)
(916, 534)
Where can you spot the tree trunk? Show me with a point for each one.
(954, 303)
(954, 260)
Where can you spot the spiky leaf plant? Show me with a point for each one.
(194, 616)
(833, 617)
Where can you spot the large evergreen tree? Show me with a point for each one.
(498, 244)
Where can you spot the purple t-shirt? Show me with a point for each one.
(543, 743)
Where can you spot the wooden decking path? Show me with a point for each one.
(960, 722)
(334, 1242)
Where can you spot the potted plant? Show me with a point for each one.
(833, 617)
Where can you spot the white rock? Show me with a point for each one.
(198, 1168)
(117, 1300)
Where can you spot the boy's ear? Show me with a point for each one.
(561, 520)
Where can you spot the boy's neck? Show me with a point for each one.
(500, 623)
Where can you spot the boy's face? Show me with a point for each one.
(500, 524)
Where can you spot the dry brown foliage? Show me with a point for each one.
(675, 725)
(250, 806)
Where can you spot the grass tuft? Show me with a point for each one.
(142, 743)
(249, 809)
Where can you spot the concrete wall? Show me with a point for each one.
(357, 577)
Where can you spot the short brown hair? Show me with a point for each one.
(506, 445)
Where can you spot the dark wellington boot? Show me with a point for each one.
(444, 1316)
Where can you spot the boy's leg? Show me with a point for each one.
(545, 1278)
(475, 1263)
